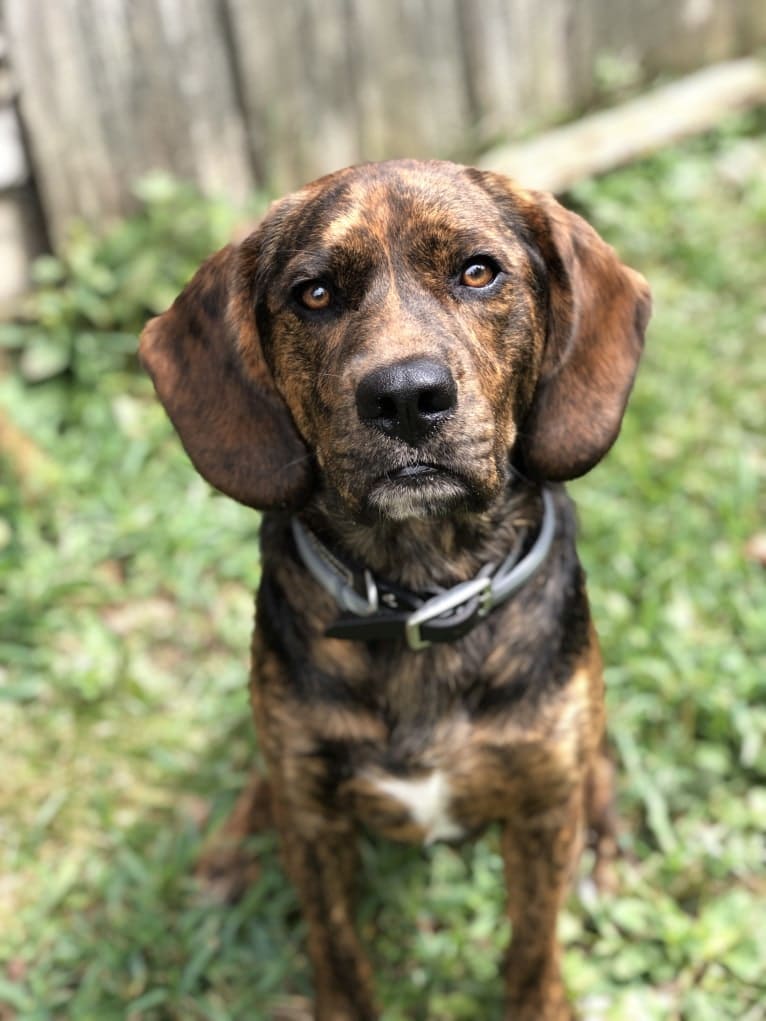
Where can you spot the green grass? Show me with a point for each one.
(125, 611)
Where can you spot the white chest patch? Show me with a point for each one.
(428, 801)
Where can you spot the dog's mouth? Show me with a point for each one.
(413, 474)
(419, 490)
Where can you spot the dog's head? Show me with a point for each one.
(400, 333)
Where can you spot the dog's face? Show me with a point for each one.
(398, 316)
(399, 333)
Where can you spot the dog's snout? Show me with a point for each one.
(407, 399)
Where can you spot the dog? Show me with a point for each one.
(401, 366)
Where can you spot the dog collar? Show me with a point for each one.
(375, 609)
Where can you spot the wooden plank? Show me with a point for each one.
(498, 39)
(297, 87)
(22, 238)
(412, 94)
(531, 64)
(111, 89)
(13, 160)
(333, 82)
(558, 159)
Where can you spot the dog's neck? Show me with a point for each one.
(420, 553)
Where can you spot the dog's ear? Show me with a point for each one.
(208, 369)
(597, 313)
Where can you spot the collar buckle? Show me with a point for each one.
(441, 604)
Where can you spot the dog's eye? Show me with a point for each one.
(315, 297)
(478, 273)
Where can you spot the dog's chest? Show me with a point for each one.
(466, 774)
(427, 800)
(441, 769)
(415, 795)
(432, 774)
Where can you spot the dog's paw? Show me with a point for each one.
(227, 866)
(548, 1002)
(535, 1012)
(293, 1008)
(225, 869)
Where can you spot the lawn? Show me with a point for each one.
(125, 611)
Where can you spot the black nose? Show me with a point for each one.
(407, 399)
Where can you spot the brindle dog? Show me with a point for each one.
(408, 357)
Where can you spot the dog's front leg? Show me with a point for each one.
(539, 857)
(323, 868)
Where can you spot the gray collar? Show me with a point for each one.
(374, 609)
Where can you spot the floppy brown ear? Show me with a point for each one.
(206, 363)
(597, 315)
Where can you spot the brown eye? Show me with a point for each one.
(315, 297)
(478, 273)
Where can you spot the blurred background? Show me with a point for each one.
(136, 136)
(233, 95)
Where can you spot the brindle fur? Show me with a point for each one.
(262, 393)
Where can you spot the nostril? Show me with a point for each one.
(387, 407)
(435, 400)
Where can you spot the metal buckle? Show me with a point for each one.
(487, 600)
(361, 605)
(372, 591)
(441, 604)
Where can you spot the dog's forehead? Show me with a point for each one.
(387, 201)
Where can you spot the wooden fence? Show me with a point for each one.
(234, 94)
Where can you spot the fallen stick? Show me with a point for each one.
(559, 158)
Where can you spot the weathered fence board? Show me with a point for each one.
(355, 80)
(229, 93)
(296, 85)
(111, 89)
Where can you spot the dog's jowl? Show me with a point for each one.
(401, 366)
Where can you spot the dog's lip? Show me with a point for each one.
(413, 471)
(422, 489)
(421, 470)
